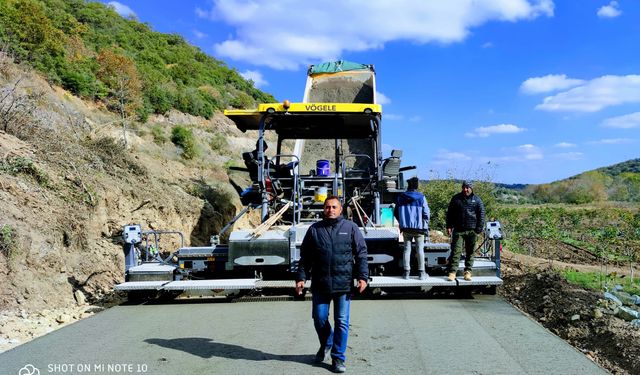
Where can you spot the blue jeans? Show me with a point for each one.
(336, 340)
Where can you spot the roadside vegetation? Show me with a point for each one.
(7, 241)
(21, 165)
(600, 281)
(88, 49)
(182, 137)
(603, 232)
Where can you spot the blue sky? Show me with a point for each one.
(517, 91)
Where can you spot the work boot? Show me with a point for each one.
(452, 276)
(338, 366)
(322, 354)
(405, 275)
(423, 275)
(467, 275)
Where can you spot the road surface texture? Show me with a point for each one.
(482, 335)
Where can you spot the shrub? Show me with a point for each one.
(242, 100)
(160, 98)
(232, 163)
(440, 192)
(79, 82)
(21, 165)
(183, 137)
(158, 134)
(218, 143)
(7, 241)
(110, 155)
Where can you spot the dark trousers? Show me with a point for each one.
(458, 238)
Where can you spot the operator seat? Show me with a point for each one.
(391, 169)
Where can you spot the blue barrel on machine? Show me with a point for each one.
(322, 168)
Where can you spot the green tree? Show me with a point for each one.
(120, 75)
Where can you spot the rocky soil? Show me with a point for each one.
(581, 317)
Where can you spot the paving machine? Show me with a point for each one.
(335, 134)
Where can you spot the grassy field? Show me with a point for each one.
(600, 234)
(611, 232)
(601, 281)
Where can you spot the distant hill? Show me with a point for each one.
(518, 187)
(629, 166)
(618, 182)
(90, 50)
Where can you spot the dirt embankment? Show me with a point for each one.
(68, 185)
(579, 316)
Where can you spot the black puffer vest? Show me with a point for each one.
(328, 254)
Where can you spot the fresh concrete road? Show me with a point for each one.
(483, 335)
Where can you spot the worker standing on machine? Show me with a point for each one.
(333, 251)
(412, 213)
(465, 220)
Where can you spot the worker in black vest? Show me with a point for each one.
(465, 220)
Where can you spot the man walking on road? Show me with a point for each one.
(333, 251)
(412, 213)
(465, 220)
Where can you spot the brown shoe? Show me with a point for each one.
(452, 276)
(467, 275)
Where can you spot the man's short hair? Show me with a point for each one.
(332, 197)
(413, 182)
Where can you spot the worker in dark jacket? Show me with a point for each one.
(333, 252)
(465, 220)
(412, 213)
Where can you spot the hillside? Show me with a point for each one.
(619, 183)
(104, 122)
(629, 166)
(91, 51)
(68, 184)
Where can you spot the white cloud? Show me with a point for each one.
(487, 45)
(203, 13)
(609, 11)
(382, 98)
(517, 154)
(447, 157)
(565, 145)
(392, 117)
(486, 131)
(569, 155)
(632, 120)
(122, 9)
(415, 118)
(612, 141)
(291, 38)
(199, 34)
(530, 152)
(256, 77)
(595, 95)
(548, 83)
